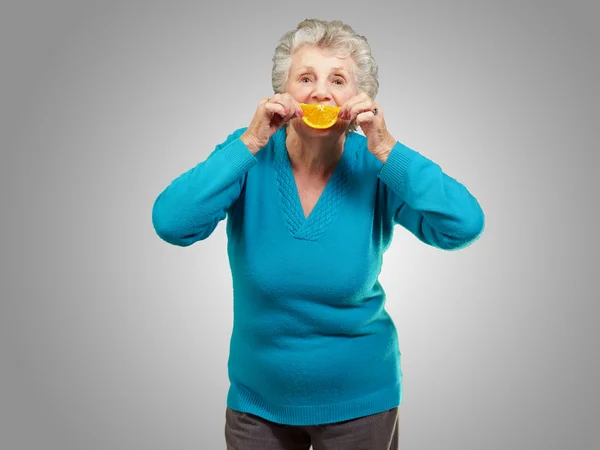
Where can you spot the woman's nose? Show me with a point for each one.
(321, 92)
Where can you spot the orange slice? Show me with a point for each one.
(319, 116)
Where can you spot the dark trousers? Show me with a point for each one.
(245, 431)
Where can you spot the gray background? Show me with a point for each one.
(112, 339)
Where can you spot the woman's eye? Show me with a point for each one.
(304, 79)
(339, 81)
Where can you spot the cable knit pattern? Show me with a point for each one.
(326, 208)
(286, 187)
(311, 227)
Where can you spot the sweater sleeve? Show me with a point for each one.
(191, 206)
(433, 206)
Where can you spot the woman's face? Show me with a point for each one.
(319, 77)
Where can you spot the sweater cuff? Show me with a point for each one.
(239, 156)
(394, 172)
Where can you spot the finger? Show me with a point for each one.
(360, 108)
(364, 118)
(346, 109)
(344, 112)
(276, 108)
(356, 99)
(290, 115)
(298, 108)
(278, 99)
(292, 106)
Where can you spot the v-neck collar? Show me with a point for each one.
(311, 227)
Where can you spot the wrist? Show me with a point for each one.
(384, 150)
(250, 142)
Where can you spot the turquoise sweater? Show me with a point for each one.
(311, 341)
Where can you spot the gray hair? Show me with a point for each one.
(334, 36)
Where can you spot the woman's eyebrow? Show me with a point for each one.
(312, 69)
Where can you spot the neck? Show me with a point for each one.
(314, 155)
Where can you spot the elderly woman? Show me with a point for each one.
(314, 356)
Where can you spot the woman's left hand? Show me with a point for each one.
(369, 117)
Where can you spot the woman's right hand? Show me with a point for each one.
(271, 114)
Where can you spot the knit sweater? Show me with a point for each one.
(312, 342)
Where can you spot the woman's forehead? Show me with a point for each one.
(317, 59)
